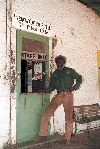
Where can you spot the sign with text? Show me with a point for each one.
(31, 25)
(33, 56)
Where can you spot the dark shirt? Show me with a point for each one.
(64, 79)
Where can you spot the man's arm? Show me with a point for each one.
(51, 85)
(78, 79)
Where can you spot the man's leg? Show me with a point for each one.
(68, 108)
(55, 102)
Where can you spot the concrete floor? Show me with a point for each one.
(80, 141)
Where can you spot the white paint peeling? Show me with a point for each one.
(4, 87)
(13, 95)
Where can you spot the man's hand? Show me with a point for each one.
(43, 92)
(70, 89)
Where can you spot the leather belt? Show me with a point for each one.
(59, 92)
(62, 92)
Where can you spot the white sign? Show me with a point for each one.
(33, 56)
(31, 25)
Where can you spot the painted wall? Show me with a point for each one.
(7, 77)
(77, 29)
(4, 79)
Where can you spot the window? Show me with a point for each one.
(33, 61)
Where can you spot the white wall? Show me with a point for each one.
(77, 29)
(4, 79)
(97, 27)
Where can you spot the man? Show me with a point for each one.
(62, 79)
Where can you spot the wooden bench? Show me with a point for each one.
(85, 114)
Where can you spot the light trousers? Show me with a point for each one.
(65, 98)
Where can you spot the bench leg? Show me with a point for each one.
(75, 133)
(88, 130)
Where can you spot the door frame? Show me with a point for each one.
(19, 35)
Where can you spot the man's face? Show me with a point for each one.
(60, 64)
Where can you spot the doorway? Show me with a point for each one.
(32, 67)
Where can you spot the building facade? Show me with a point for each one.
(75, 30)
